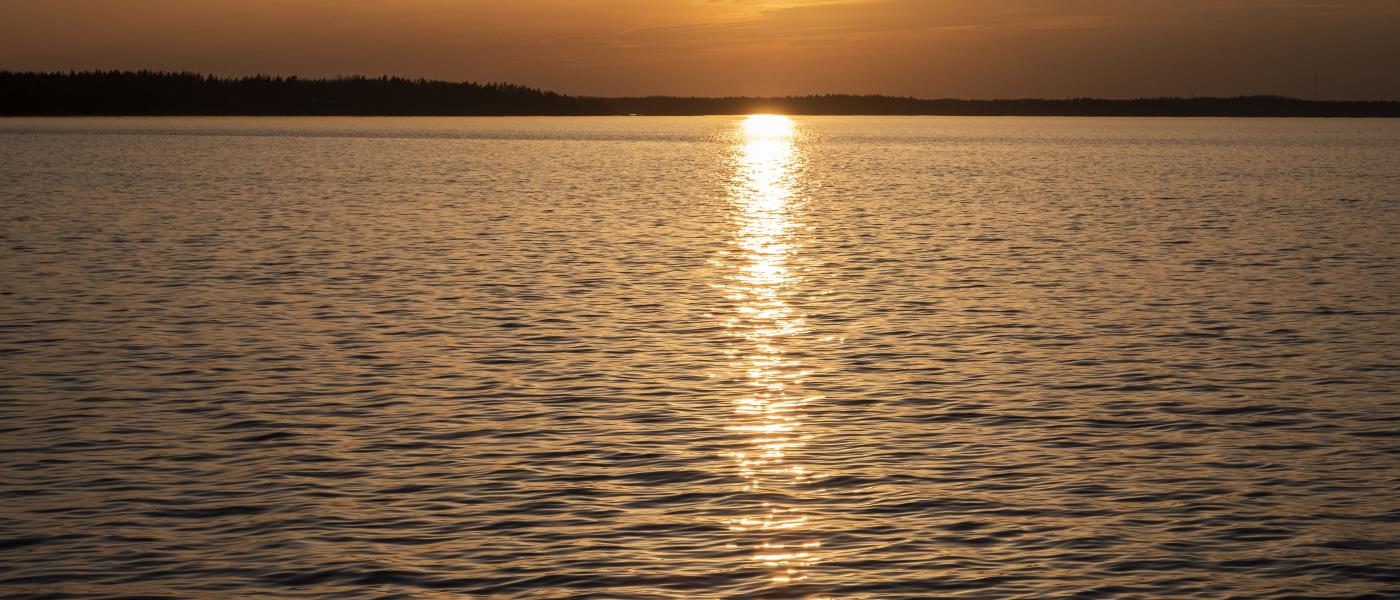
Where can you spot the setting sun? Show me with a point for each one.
(767, 126)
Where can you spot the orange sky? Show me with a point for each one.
(928, 48)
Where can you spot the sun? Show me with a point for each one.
(767, 126)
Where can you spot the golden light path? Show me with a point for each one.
(763, 193)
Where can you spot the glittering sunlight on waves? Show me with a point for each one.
(694, 358)
(769, 416)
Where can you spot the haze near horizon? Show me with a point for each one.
(954, 48)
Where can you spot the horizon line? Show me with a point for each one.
(659, 96)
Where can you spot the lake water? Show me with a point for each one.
(700, 358)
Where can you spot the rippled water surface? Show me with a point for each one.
(700, 358)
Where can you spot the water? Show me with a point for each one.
(700, 358)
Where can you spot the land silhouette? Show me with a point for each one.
(132, 93)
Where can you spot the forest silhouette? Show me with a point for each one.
(162, 93)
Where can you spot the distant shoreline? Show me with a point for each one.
(151, 93)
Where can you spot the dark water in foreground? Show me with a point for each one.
(700, 358)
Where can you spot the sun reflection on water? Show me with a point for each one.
(770, 415)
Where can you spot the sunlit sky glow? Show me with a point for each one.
(928, 48)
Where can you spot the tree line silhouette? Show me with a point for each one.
(158, 93)
(162, 93)
(837, 104)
